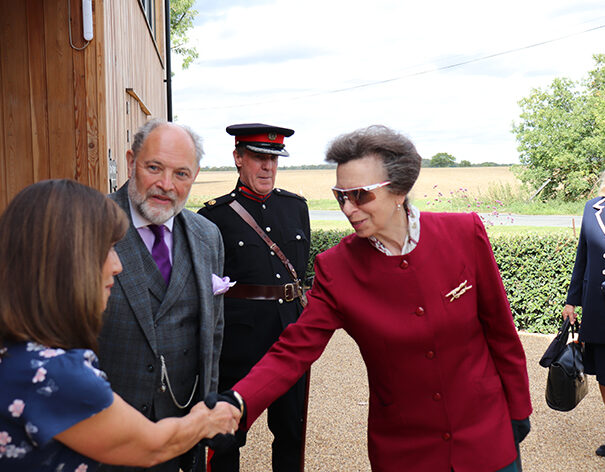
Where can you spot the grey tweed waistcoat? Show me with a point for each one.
(175, 311)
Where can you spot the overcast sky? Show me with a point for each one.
(325, 67)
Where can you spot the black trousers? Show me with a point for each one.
(285, 421)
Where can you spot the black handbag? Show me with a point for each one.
(557, 345)
(566, 384)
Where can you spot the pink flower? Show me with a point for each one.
(16, 408)
(4, 438)
(40, 375)
(51, 352)
(82, 468)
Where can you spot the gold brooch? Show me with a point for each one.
(459, 290)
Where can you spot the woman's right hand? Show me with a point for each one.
(569, 311)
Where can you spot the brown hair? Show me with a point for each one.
(55, 236)
(398, 154)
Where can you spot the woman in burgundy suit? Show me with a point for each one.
(422, 296)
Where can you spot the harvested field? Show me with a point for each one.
(316, 184)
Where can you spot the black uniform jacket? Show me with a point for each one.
(251, 326)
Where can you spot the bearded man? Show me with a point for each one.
(163, 326)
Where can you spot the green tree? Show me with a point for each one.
(181, 21)
(465, 163)
(443, 159)
(561, 135)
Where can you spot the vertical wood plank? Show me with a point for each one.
(79, 88)
(37, 85)
(3, 183)
(60, 86)
(160, 38)
(17, 164)
(92, 111)
(102, 115)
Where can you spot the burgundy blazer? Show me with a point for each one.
(446, 374)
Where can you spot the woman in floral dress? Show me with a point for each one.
(57, 410)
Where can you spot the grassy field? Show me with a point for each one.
(480, 189)
(315, 185)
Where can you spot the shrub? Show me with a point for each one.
(535, 270)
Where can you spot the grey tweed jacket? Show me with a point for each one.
(128, 350)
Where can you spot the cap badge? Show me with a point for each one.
(272, 136)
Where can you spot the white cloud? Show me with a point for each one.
(325, 67)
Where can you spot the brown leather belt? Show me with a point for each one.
(286, 292)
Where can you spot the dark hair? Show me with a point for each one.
(398, 154)
(55, 236)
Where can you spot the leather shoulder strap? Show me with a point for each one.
(247, 217)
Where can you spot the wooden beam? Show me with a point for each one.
(134, 95)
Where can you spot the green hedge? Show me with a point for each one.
(535, 269)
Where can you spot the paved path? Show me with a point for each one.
(563, 221)
(338, 408)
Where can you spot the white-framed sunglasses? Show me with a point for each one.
(357, 195)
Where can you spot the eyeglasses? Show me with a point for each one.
(357, 195)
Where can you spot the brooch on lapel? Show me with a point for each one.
(459, 290)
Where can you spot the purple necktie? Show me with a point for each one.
(160, 252)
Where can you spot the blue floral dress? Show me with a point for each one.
(43, 392)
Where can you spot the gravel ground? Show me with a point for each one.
(338, 408)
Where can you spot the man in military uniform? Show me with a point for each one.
(266, 296)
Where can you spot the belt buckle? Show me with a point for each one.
(292, 296)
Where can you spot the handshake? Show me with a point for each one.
(224, 442)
